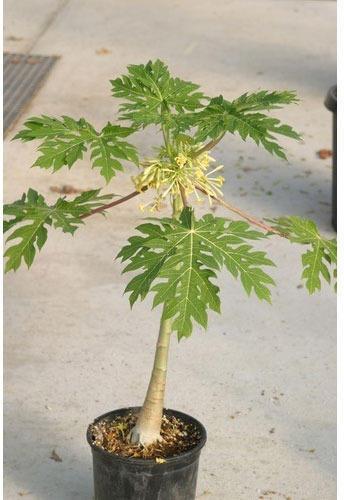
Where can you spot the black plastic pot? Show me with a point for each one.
(331, 104)
(120, 478)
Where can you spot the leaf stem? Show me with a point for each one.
(227, 205)
(210, 145)
(165, 129)
(244, 215)
(183, 196)
(165, 135)
(113, 203)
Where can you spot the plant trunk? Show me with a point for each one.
(147, 428)
(148, 425)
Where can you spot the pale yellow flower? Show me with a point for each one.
(187, 171)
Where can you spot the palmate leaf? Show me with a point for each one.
(153, 96)
(30, 217)
(320, 260)
(241, 116)
(179, 259)
(66, 140)
(265, 100)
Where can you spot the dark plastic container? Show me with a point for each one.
(331, 104)
(119, 478)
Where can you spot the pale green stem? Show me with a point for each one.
(165, 131)
(210, 145)
(178, 206)
(147, 428)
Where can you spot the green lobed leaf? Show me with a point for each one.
(179, 259)
(152, 96)
(66, 140)
(320, 260)
(241, 116)
(31, 216)
(265, 100)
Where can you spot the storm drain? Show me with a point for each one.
(23, 76)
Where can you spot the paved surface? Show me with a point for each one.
(262, 379)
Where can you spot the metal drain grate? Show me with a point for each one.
(23, 76)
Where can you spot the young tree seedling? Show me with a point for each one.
(176, 258)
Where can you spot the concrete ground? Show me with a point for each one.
(262, 378)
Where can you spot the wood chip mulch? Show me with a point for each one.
(177, 437)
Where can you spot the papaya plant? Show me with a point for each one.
(177, 259)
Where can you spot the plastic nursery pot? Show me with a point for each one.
(331, 104)
(122, 478)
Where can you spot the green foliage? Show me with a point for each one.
(241, 116)
(265, 100)
(30, 217)
(176, 259)
(153, 96)
(180, 258)
(320, 260)
(66, 140)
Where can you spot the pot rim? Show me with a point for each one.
(150, 461)
(331, 99)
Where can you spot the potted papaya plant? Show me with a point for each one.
(149, 452)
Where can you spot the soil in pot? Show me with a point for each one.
(177, 437)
